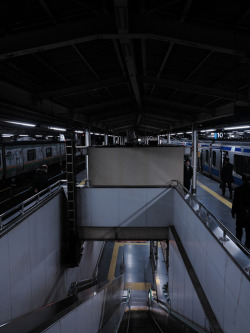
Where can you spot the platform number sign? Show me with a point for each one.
(218, 135)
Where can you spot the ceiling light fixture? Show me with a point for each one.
(58, 129)
(20, 123)
(236, 127)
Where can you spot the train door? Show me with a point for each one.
(19, 161)
(1, 164)
(210, 160)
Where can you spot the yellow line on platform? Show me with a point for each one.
(216, 195)
(83, 182)
(138, 285)
(111, 274)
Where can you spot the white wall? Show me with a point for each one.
(226, 287)
(30, 259)
(125, 207)
(135, 166)
(184, 299)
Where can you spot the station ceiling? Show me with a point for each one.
(124, 65)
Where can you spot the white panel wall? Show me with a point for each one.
(85, 318)
(30, 259)
(184, 299)
(125, 207)
(135, 166)
(225, 285)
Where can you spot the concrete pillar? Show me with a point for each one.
(114, 140)
(158, 140)
(194, 144)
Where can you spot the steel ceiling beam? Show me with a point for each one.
(48, 11)
(101, 107)
(78, 89)
(121, 15)
(218, 40)
(197, 89)
(90, 67)
(51, 68)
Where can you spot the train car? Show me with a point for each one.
(211, 156)
(18, 158)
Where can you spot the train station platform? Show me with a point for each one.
(207, 268)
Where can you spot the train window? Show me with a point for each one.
(214, 159)
(241, 164)
(31, 154)
(49, 152)
(207, 156)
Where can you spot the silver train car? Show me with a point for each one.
(211, 155)
(18, 158)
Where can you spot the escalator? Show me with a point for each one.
(140, 321)
(144, 313)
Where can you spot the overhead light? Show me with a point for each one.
(38, 136)
(209, 130)
(235, 127)
(180, 133)
(58, 129)
(20, 123)
(7, 135)
(80, 132)
(188, 132)
(23, 134)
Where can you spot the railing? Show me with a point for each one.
(12, 214)
(159, 311)
(222, 234)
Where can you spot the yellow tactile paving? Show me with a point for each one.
(137, 285)
(216, 195)
(111, 273)
(83, 182)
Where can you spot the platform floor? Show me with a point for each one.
(210, 195)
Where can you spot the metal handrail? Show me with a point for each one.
(34, 200)
(165, 307)
(199, 208)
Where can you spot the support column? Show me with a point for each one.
(158, 140)
(194, 144)
(87, 144)
(114, 140)
(169, 138)
(106, 140)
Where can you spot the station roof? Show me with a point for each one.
(124, 65)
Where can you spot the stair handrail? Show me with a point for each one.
(199, 208)
(166, 307)
(26, 205)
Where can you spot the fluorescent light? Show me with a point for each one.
(180, 133)
(7, 135)
(38, 136)
(80, 132)
(20, 123)
(209, 130)
(58, 129)
(235, 127)
(188, 132)
(23, 134)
